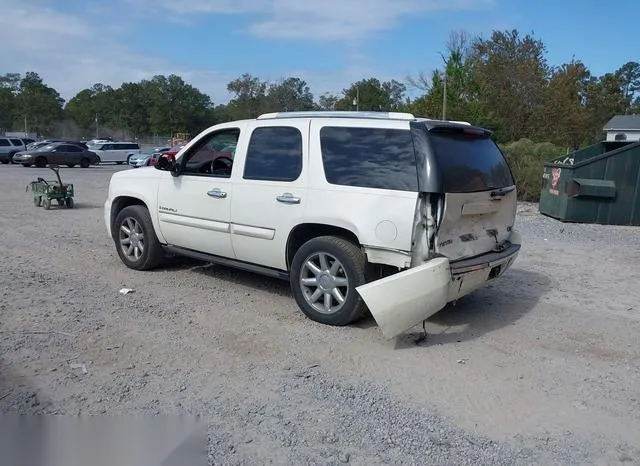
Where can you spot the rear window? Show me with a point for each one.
(379, 158)
(469, 163)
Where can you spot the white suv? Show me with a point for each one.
(118, 152)
(358, 210)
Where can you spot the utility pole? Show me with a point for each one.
(444, 97)
(96, 126)
(26, 134)
(444, 87)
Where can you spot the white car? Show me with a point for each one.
(118, 152)
(357, 210)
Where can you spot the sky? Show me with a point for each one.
(73, 44)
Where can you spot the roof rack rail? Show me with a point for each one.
(339, 114)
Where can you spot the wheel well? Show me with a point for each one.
(306, 231)
(119, 204)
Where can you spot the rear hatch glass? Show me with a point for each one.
(469, 161)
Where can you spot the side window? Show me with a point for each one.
(4, 142)
(73, 149)
(16, 142)
(212, 155)
(62, 148)
(274, 154)
(369, 158)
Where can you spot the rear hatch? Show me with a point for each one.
(478, 196)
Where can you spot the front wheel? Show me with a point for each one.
(27, 165)
(136, 240)
(84, 163)
(324, 275)
(41, 162)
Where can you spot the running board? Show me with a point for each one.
(236, 264)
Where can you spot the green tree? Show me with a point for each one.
(373, 95)
(249, 97)
(511, 73)
(629, 75)
(290, 94)
(9, 87)
(327, 101)
(566, 121)
(40, 104)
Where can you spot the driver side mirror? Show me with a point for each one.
(167, 163)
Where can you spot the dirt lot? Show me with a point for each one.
(541, 367)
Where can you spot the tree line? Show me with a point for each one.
(502, 82)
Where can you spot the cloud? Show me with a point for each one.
(327, 20)
(72, 52)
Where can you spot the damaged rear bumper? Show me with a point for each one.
(405, 299)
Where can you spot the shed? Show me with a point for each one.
(623, 128)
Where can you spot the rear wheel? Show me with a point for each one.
(120, 163)
(135, 238)
(69, 203)
(11, 157)
(324, 275)
(41, 162)
(46, 203)
(4, 162)
(26, 164)
(71, 165)
(84, 163)
(37, 201)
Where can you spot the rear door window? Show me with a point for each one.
(469, 162)
(4, 142)
(379, 158)
(16, 142)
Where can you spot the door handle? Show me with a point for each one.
(288, 198)
(217, 193)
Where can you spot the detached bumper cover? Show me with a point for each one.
(405, 299)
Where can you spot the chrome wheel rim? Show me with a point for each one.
(324, 283)
(131, 239)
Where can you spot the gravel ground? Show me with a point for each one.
(541, 367)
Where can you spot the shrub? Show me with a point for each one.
(526, 159)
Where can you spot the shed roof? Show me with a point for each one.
(623, 122)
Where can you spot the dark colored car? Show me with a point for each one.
(59, 153)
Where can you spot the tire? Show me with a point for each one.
(353, 268)
(71, 165)
(4, 162)
(11, 157)
(46, 203)
(27, 165)
(37, 201)
(152, 253)
(60, 202)
(68, 202)
(128, 160)
(41, 162)
(84, 163)
(120, 163)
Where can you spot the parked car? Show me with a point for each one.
(118, 152)
(9, 147)
(357, 210)
(59, 153)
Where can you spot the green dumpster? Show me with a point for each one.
(597, 184)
